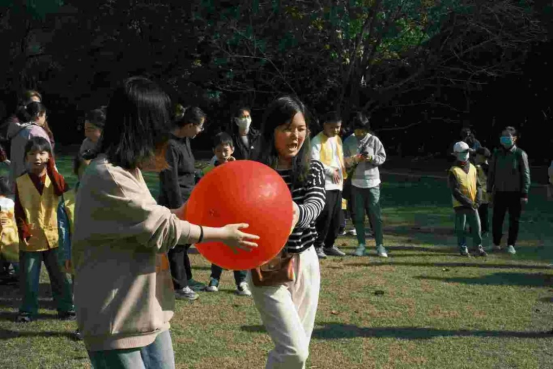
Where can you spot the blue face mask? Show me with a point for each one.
(506, 141)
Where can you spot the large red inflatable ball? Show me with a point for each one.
(242, 191)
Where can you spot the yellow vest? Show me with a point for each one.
(41, 213)
(483, 179)
(467, 183)
(326, 152)
(9, 238)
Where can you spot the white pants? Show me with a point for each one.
(288, 312)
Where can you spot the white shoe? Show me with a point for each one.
(381, 251)
(511, 250)
(243, 289)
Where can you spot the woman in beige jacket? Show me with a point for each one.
(123, 290)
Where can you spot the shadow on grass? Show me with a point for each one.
(6, 334)
(453, 265)
(340, 331)
(10, 317)
(501, 279)
(436, 249)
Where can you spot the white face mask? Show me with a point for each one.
(243, 123)
(463, 156)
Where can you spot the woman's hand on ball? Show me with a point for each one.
(236, 239)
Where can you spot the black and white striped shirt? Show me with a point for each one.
(310, 198)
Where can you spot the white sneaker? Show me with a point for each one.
(352, 232)
(361, 250)
(381, 251)
(511, 250)
(243, 289)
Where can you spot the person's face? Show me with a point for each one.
(244, 114)
(289, 137)
(332, 129)
(479, 159)
(92, 132)
(37, 160)
(223, 152)
(41, 119)
(360, 133)
(508, 135)
(192, 130)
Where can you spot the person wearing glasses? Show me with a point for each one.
(176, 184)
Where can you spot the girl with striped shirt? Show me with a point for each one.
(288, 310)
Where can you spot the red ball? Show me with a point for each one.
(242, 191)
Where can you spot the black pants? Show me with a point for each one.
(503, 202)
(328, 222)
(179, 262)
(484, 220)
(239, 275)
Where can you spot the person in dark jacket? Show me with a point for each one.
(508, 184)
(176, 184)
(247, 140)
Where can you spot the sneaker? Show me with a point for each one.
(23, 318)
(352, 232)
(511, 250)
(381, 251)
(67, 315)
(320, 253)
(186, 294)
(333, 251)
(496, 248)
(213, 285)
(195, 285)
(243, 289)
(361, 250)
(78, 335)
(480, 251)
(341, 232)
(464, 251)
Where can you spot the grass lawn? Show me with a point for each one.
(436, 309)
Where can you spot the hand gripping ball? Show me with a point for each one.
(242, 192)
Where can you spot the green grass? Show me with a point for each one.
(438, 310)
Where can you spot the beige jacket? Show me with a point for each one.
(123, 288)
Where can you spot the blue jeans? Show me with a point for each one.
(30, 265)
(157, 355)
(367, 201)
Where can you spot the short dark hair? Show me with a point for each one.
(137, 123)
(361, 121)
(484, 152)
(37, 143)
(282, 111)
(30, 111)
(188, 115)
(222, 138)
(512, 131)
(5, 188)
(332, 117)
(97, 117)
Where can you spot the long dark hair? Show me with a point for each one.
(282, 111)
(137, 123)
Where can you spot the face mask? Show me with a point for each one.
(243, 123)
(506, 141)
(463, 156)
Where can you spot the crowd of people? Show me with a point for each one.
(117, 258)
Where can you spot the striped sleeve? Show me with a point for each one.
(315, 195)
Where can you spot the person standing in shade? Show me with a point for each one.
(94, 123)
(508, 184)
(327, 148)
(365, 153)
(176, 184)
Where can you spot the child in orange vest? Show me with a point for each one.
(467, 196)
(37, 194)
